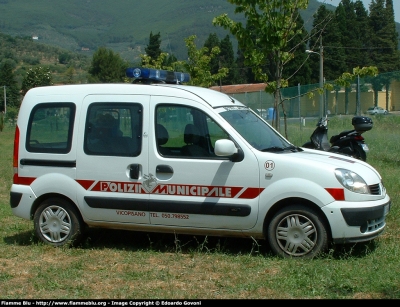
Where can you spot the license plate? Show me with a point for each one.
(365, 147)
(386, 209)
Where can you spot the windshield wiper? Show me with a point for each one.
(294, 148)
(278, 149)
(273, 149)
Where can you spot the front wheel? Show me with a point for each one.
(297, 231)
(57, 222)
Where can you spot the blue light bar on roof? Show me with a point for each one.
(157, 75)
(182, 77)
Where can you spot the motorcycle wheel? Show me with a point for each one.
(359, 153)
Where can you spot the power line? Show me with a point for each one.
(358, 48)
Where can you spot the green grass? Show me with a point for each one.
(115, 264)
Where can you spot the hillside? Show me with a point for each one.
(25, 53)
(121, 25)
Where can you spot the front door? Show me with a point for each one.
(191, 186)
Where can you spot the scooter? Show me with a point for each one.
(349, 142)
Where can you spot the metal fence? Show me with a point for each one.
(298, 103)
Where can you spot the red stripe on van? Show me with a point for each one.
(24, 180)
(86, 184)
(251, 193)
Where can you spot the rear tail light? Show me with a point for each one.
(15, 155)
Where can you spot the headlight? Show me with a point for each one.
(351, 181)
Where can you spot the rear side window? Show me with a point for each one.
(113, 129)
(50, 128)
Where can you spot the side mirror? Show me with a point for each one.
(224, 148)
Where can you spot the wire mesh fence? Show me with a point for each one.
(382, 90)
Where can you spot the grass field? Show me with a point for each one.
(115, 264)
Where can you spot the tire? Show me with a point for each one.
(359, 153)
(57, 222)
(297, 231)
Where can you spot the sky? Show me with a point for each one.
(396, 6)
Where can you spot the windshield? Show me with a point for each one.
(257, 133)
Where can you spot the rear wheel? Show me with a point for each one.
(297, 231)
(57, 222)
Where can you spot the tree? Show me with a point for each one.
(325, 31)
(8, 84)
(156, 58)
(352, 44)
(157, 63)
(346, 78)
(227, 59)
(64, 58)
(12, 114)
(198, 64)
(170, 60)
(384, 40)
(362, 35)
(1, 121)
(385, 37)
(36, 76)
(298, 70)
(69, 74)
(349, 43)
(211, 42)
(274, 23)
(352, 20)
(107, 67)
(243, 73)
(153, 49)
(344, 35)
(164, 61)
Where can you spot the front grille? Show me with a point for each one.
(375, 224)
(375, 189)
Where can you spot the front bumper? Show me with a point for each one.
(357, 222)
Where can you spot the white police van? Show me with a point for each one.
(182, 159)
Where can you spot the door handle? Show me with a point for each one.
(134, 171)
(164, 169)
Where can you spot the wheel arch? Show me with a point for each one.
(44, 197)
(296, 200)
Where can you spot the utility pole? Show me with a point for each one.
(358, 107)
(5, 100)
(321, 76)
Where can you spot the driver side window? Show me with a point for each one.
(183, 131)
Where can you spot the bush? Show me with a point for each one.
(12, 114)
